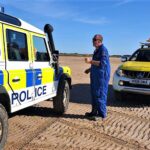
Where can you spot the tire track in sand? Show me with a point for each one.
(134, 131)
(67, 135)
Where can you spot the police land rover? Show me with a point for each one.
(29, 70)
(133, 76)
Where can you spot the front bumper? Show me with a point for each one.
(122, 84)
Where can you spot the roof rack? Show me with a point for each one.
(9, 19)
(147, 44)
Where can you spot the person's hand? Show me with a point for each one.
(88, 60)
(87, 71)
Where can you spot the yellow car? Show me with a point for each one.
(133, 76)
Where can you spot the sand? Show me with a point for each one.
(127, 125)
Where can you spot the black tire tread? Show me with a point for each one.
(4, 122)
(58, 104)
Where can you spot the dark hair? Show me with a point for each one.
(98, 36)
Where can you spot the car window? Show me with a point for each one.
(134, 56)
(141, 55)
(40, 49)
(16, 46)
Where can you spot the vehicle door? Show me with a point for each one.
(19, 67)
(43, 70)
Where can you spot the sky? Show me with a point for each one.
(123, 23)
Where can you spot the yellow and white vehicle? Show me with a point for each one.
(29, 70)
(133, 76)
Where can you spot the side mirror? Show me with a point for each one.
(56, 52)
(56, 63)
(56, 55)
(125, 58)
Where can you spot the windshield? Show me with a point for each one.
(141, 55)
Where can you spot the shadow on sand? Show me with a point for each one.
(80, 93)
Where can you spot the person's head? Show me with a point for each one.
(97, 40)
(35, 53)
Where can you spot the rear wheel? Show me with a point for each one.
(61, 101)
(3, 126)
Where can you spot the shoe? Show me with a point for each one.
(97, 118)
(90, 114)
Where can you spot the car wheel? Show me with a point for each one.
(61, 101)
(3, 126)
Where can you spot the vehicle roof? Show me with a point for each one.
(7, 19)
(30, 27)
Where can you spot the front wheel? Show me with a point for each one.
(61, 101)
(3, 126)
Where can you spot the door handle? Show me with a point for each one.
(16, 79)
(39, 76)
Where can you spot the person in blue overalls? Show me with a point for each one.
(99, 78)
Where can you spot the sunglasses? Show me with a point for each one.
(96, 40)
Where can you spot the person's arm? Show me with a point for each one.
(104, 58)
(92, 62)
(95, 62)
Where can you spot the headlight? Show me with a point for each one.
(120, 72)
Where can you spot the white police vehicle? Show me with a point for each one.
(29, 70)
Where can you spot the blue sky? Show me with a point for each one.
(123, 23)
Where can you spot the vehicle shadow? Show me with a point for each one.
(80, 93)
(45, 112)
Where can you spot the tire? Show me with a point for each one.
(61, 101)
(3, 126)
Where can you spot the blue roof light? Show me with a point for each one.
(1, 9)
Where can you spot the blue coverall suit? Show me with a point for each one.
(100, 76)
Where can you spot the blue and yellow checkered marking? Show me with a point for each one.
(38, 81)
(32, 76)
(29, 78)
(1, 78)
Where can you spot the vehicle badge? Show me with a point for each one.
(140, 75)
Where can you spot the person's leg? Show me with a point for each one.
(94, 105)
(93, 100)
(102, 100)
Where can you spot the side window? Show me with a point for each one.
(135, 56)
(16, 46)
(40, 49)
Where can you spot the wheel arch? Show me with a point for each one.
(4, 99)
(66, 77)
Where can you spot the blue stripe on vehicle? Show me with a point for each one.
(29, 78)
(38, 81)
(1, 78)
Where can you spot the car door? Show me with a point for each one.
(43, 71)
(19, 67)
